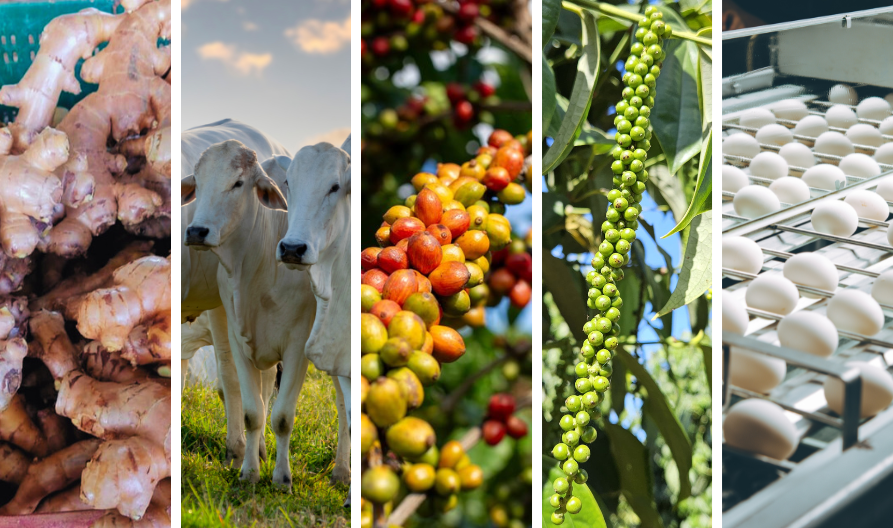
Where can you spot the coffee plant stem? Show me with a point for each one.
(450, 402)
(413, 501)
(522, 49)
(615, 11)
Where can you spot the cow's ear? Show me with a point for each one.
(275, 170)
(269, 195)
(187, 190)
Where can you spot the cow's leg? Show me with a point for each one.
(342, 455)
(254, 415)
(228, 388)
(184, 366)
(268, 383)
(282, 419)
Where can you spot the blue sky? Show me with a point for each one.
(280, 65)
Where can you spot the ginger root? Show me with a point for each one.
(30, 193)
(17, 427)
(13, 464)
(53, 473)
(132, 97)
(141, 292)
(123, 476)
(13, 349)
(112, 410)
(63, 42)
(84, 416)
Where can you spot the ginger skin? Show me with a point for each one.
(132, 97)
(13, 464)
(111, 410)
(13, 349)
(63, 42)
(53, 473)
(142, 291)
(16, 427)
(12, 273)
(30, 193)
(123, 475)
(51, 344)
(62, 297)
(103, 365)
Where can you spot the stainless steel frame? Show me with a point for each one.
(841, 460)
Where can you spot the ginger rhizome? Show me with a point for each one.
(85, 334)
(30, 193)
(132, 96)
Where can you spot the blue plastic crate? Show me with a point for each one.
(20, 29)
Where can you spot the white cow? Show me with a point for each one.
(269, 311)
(318, 241)
(200, 292)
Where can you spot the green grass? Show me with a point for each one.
(212, 494)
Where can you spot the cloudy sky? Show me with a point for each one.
(280, 65)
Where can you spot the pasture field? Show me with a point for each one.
(213, 496)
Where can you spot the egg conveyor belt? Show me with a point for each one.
(811, 450)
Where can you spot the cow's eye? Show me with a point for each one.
(238, 184)
(334, 188)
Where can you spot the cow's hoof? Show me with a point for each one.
(282, 482)
(251, 476)
(233, 459)
(340, 477)
(347, 502)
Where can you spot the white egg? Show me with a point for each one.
(811, 126)
(885, 188)
(877, 389)
(824, 176)
(843, 94)
(841, 116)
(741, 145)
(774, 135)
(884, 153)
(734, 315)
(756, 117)
(834, 143)
(797, 155)
(755, 201)
(761, 427)
(834, 217)
(873, 108)
(790, 190)
(768, 165)
(860, 165)
(754, 371)
(741, 254)
(808, 332)
(889, 98)
(886, 126)
(862, 134)
(881, 290)
(868, 204)
(733, 179)
(856, 311)
(792, 109)
(813, 270)
(772, 293)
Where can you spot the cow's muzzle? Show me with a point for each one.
(196, 236)
(292, 253)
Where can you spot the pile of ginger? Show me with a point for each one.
(85, 275)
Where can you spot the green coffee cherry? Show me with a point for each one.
(633, 137)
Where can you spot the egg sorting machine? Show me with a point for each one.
(841, 470)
